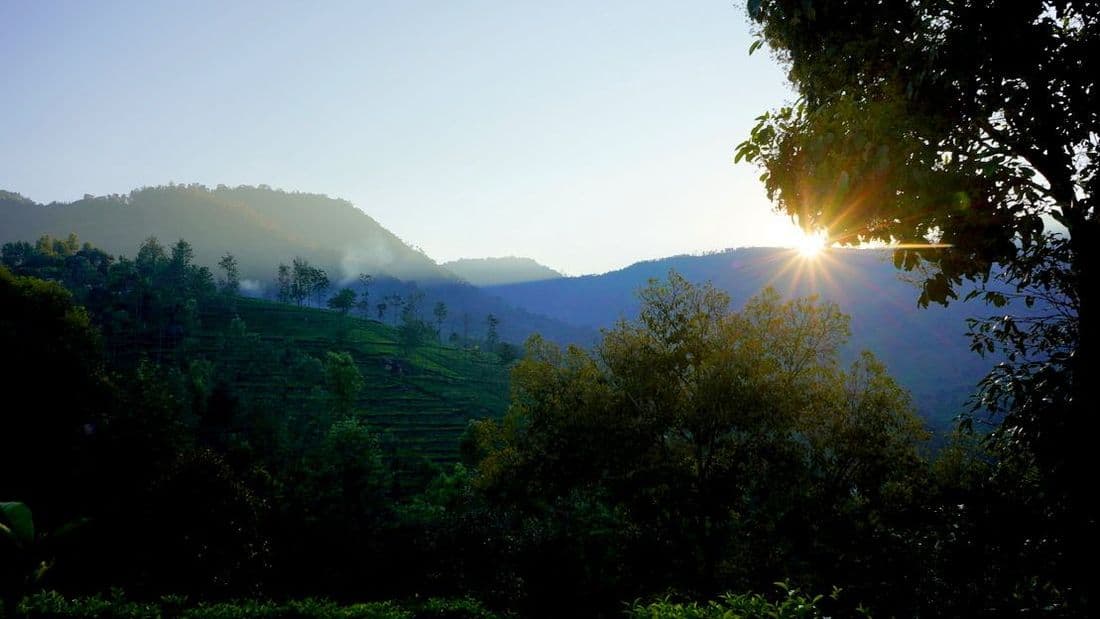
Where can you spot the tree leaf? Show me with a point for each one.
(17, 518)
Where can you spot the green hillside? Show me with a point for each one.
(421, 399)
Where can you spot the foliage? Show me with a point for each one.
(344, 382)
(932, 118)
(792, 605)
(508, 352)
(413, 331)
(231, 283)
(305, 281)
(968, 133)
(53, 604)
(270, 449)
(702, 440)
(47, 337)
(238, 455)
(491, 336)
(440, 313)
(18, 569)
(343, 300)
(283, 282)
(25, 555)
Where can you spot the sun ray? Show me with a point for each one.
(811, 245)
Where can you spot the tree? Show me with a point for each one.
(307, 281)
(365, 281)
(207, 523)
(413, 329)
(150, 258)
(182, 257)
(966, 132)
(491, 337)
(440, 313)
(344, 382)
(412, 305)
(231, 283)
(343, 494)
(381, 307)
(710, 431)
(396, 303)
(320, 283)
(41, 328)
(300, 282)
(285, 283)
(342, 301)
(411, 334)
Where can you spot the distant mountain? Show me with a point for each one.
(500, 271)
(925, 349)
(264, 227)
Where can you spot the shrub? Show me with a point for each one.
(791, 605)
(116, 606)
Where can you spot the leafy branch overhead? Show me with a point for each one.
(933, 124)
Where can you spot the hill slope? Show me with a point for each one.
(422, 398)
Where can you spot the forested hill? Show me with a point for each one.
(264, 227)
(260, 225)
(925, 349)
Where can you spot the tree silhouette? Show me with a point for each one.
(231, 283)
(962, 131)
(491, 337)
(440, 313)
(342, 301)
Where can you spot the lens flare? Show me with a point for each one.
(811, 245)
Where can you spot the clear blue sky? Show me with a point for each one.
(585, 135)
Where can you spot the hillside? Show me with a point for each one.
(500, 271)
(421, 400)
(264, 227)
(926, 349)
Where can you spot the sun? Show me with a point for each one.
(811, 245)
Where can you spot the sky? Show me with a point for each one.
(585, 135)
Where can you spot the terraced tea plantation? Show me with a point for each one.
(419, 400)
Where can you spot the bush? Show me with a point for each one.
(116, 606)
(791, 605)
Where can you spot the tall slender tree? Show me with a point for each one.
(231, 281)
(440, 313)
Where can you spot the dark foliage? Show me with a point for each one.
(697, 450)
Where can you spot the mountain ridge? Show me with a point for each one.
(498, 271)
(329, 232)
(925, 349)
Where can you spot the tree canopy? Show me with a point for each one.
(702, 438)
(967, 133)
(934, 122)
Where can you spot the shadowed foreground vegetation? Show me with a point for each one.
(52, 604)
(207, 448)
